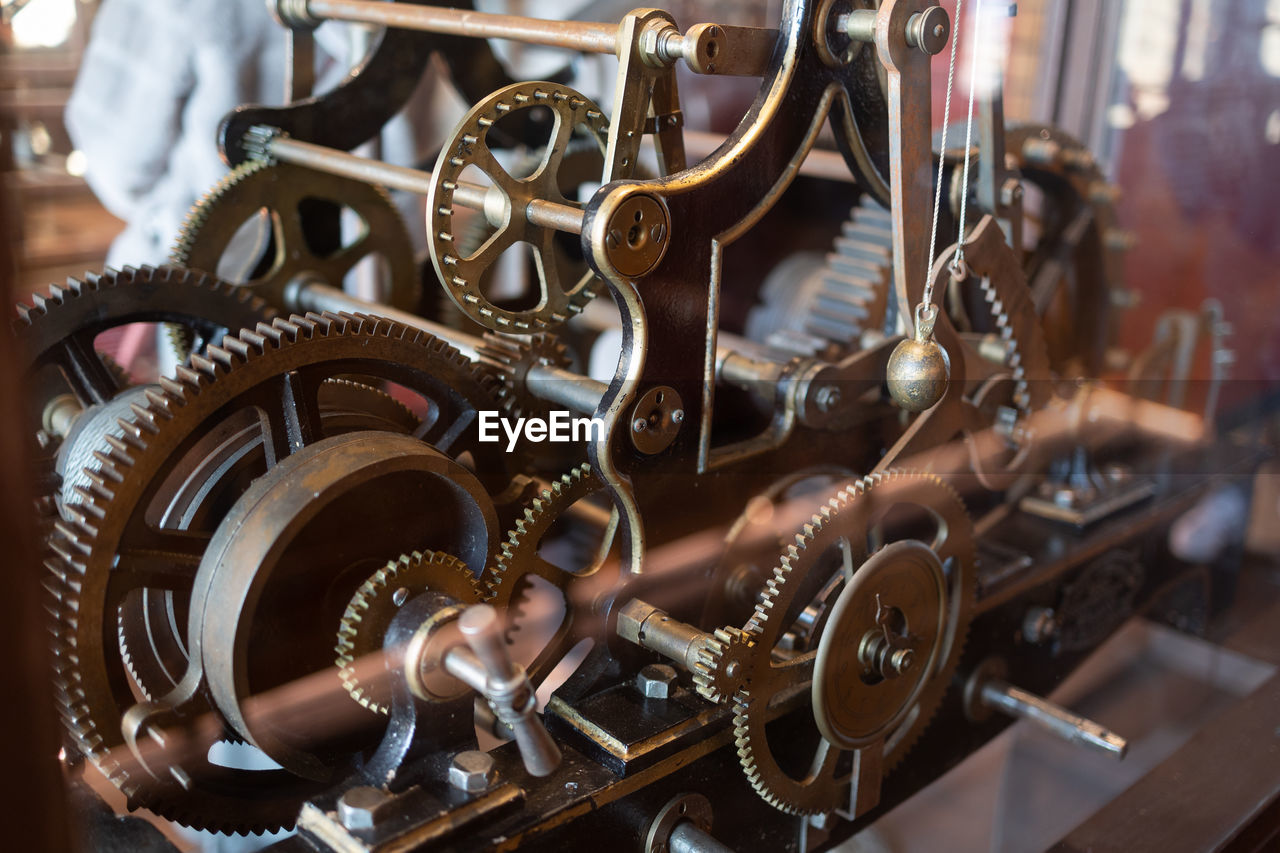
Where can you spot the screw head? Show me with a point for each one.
(827, 398)
(639, 425)
(472, 771)
(901, 660)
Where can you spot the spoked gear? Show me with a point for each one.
(121, 540)
(519, 562)
(303, 237)
(563, 288)
(511, 356)
(834, 542)
(821, 305)
(152, 625)
(374, 605)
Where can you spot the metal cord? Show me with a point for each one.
(957, 263)
(937, 196)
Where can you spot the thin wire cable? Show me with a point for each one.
(957, 263)
(937, 195)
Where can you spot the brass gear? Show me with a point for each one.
(91, 570)
(511, 357)
(820, 306)
(290, 194)
(845, 521)
(373, 606)
(461, 274)
(723, 662)
(519, 561)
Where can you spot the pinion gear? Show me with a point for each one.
(723, 662)
(374, 604)
(511, 356)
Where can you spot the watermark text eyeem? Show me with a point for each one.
(559, 426)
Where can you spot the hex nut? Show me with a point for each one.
(656, 681)
(472, 771)
(360, 808)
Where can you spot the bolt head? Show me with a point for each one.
(901, 660)
(656, 681)
(360, 808)
(472, 771)
(827, 398)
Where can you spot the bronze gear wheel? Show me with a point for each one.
(109, 548)
(1077, 262)
(843, 525)
(519, 562)
(56, 331)
(564, 288)
(374, 605)
(304, 208)
(152, 625)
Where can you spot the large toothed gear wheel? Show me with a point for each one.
(563, 289)
(519, 562)
(807, 586)
(56, 332)
(374, 606)
(153, 625)
(816, 305)
(122, 540)
(304, 239)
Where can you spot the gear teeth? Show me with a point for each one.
(758, 764)
(509, 358)
(357, 633)
(727, 648)
(507, 581)
(79, 545)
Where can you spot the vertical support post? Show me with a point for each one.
(910, 152)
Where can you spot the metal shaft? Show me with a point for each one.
(1017, 702)
(687, 838)
(548, 382)
(546, 214)
(581, 36)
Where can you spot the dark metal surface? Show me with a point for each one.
(1219, 792)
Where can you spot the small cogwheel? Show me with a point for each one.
(374, 605)
(723, 663)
